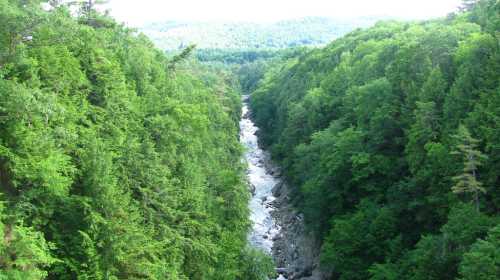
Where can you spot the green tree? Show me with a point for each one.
(185, 53)
(256, 265)
(437, 256)
(370, 117)
(482, 262)
(111, 167)
(25, 253)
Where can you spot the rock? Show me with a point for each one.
(293, 247)
(282, 270)
(274, 204)
(277, 189)
(251, 188)
(275, 171)
(265, 236)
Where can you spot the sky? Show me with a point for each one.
(139, 12)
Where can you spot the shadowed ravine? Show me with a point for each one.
(262, 182)
(278, 229)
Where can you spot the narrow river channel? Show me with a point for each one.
(262, 182)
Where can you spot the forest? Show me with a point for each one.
(120, 155)
(390, 140)
(307, 31)
(116, 161)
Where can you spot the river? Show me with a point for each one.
(264, 227)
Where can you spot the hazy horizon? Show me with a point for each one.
(135, 13)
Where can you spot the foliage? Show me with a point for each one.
(25, 252)
(309, 31)
(467, 181)
(482, 262)
(256, 265)
(112, 164)
(367, 130)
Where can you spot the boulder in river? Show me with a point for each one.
(295, 248)
(251, 188)
(275, 171)
(277, 190)
(282, 271)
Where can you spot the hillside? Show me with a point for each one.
(271, 151)
(390, 140)
(114, 163)
(310, 31)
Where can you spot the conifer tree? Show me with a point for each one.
(467, 182)
(185, 53)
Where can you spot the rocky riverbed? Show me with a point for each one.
(277, 228)
(296, 252)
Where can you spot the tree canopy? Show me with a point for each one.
(386, 136)
(113, 164)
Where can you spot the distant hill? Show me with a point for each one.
(310, 31)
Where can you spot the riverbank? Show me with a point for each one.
(295, 251)
(278, 228)
(261, 183)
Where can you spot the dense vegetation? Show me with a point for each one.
(115, 162)
(243, 36)
(390, 138)
(246, 67)
(246, 50)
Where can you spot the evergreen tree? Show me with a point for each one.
(370, 117)
(467, 182)
(482, 262)
(111, 167)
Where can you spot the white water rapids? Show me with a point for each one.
(264, 227)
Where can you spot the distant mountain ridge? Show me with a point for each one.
(308, 31)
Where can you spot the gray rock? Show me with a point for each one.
(295, 251)
(282, 270)
(293, 246)
(251, 188)
(277, 189)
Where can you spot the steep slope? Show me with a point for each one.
(389, 138)
(114, 162)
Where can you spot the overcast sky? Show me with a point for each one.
(138, 12)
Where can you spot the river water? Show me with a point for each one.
(264, 227)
